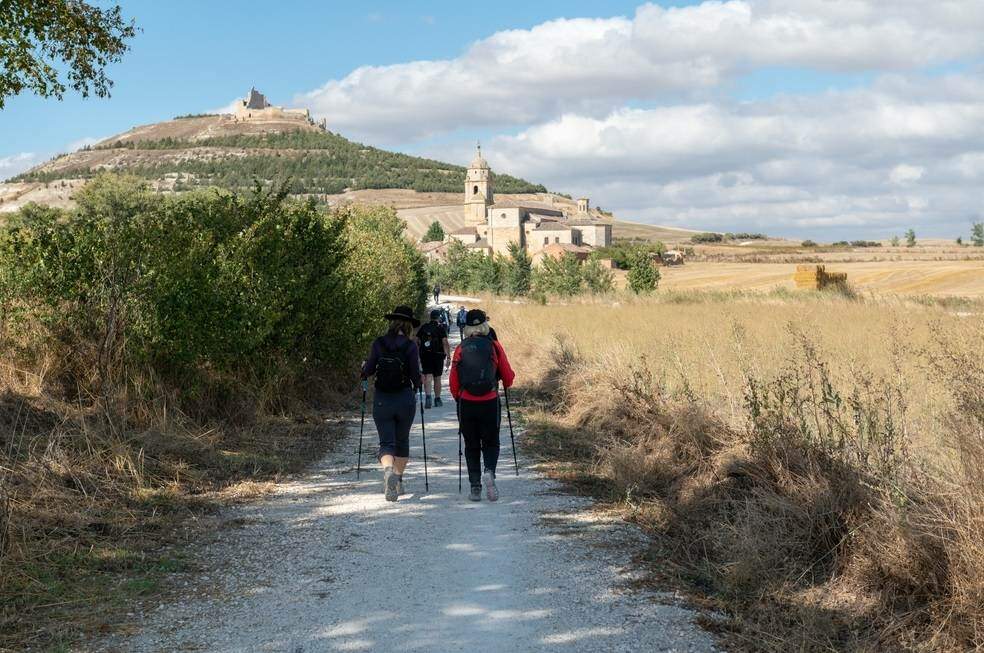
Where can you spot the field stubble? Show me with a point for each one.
(811, 465)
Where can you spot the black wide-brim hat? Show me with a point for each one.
(403, 313)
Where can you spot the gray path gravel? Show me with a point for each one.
(326, 564)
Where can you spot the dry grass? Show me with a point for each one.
(810, 465)
(95, 491)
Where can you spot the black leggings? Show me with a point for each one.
(480, 428)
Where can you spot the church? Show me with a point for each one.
(540, 228)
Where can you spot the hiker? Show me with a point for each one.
(442, 318)
(437, 293)
(393, 359)
(478, 364)
(462, 321)
(435, 356)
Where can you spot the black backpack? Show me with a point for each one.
(391, 368)
(476, 367)
(431, 339)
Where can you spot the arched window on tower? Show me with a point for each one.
(475, 190)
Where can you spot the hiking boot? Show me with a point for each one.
(427, 402)
(437, 402)
(491, 491)
(390, 483)
(476, 493)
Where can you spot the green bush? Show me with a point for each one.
(707, 237)
(561, 277)
(643, 277)
(206, 285)
(435, 233)
(624, 252)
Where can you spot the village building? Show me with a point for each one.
(492, 226)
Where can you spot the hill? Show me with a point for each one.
(218, 150)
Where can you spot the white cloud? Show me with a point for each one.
(592, 66)
(867, 159)
(15, 164)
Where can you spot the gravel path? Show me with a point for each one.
(326, 564)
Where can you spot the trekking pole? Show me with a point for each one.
(511, 437)
(423, 434)
(458, 410)
(362, 428)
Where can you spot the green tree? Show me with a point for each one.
(558, 276)
(598, 280)
(643, 276)
(435, 233)
(910, 238)
(46, 45)
(894, 241)
(518, 271)
(977, 234)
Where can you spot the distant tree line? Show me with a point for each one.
(309, 162)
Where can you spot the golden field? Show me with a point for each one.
(810, 465)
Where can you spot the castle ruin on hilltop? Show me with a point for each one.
(538, 227)
(255, 107)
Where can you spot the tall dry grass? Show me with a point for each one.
(812, 464)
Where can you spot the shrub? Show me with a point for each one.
(910, 238)
(623, 253)
(707, 237)
(644, 276)
(435, 233)
(977, 234)
(597, 279)
(808, 243)
(560, 277)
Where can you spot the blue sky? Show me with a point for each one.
(806, 117)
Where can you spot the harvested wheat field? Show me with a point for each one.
(939, 278)
(808, 464)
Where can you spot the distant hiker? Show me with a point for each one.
(437, 293)
(442, 318)
(462, 321)
(393, 360)
(434, 352)
(478, 364)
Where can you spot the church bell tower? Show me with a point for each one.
(478, 190)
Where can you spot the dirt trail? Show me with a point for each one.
(326, 564)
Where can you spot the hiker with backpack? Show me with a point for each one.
(478, 364)
(394, 361)
(434, 351)
(462, 321)
(437, 293)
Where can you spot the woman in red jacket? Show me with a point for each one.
(479, 363)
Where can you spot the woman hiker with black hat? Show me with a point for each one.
(394, 360)
(478, 364)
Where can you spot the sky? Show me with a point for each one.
(825, 119)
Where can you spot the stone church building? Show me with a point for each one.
(538, 227)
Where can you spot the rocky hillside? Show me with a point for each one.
(217, 150)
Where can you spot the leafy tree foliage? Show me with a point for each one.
(643, 276)
(910, 238)
(207, 285)
(559, 276)
(435, 233)
(597, 279)
(48, 44)
(624, 252)
(977, 234)
(306, 161)
(518, 271)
